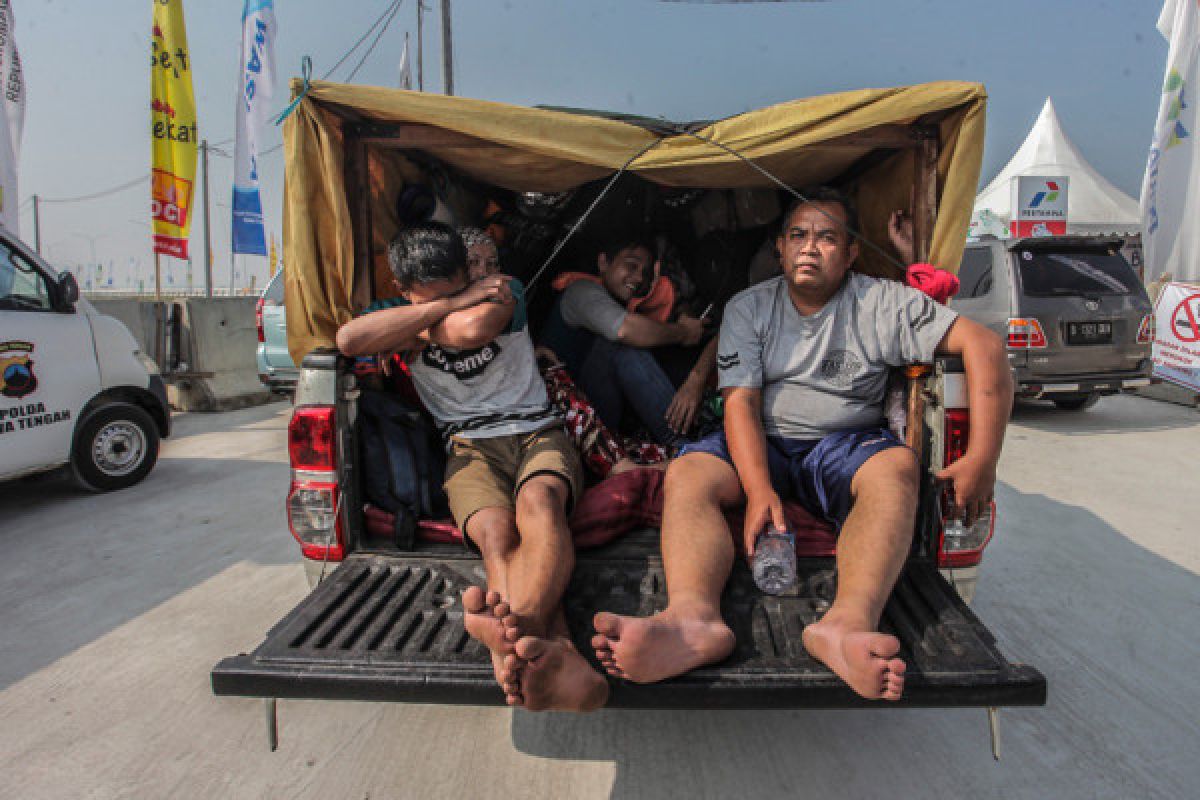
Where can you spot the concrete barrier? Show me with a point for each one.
(219, 373)
(216, 370)
(1170, 393)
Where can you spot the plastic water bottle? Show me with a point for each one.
(774, 563)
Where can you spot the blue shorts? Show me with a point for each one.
(814, 472)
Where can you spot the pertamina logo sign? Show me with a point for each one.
(1039, 206)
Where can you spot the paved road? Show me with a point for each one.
(113, 609)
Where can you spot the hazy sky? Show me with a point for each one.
(87, 72)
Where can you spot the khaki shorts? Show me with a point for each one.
(488, 473)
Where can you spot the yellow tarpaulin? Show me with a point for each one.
(528, 149)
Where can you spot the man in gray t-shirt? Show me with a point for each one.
(608, 345)
(803, 363)
(511, 473)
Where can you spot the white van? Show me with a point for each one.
(74, 388)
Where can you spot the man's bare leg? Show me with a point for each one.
(550, 673)
(871, 550)
(487, 616)
(698, 553)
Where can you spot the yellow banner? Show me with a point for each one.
(172, 130)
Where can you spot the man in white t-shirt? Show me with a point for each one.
(803, 362)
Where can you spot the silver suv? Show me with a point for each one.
(1075, 315)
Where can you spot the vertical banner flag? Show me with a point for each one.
(257, 81)
(1171, 187)
(1039, 206)
(173, 130)
(1177, 335)
(12, 115)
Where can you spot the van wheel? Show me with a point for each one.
(1076, 402)
(115, 447)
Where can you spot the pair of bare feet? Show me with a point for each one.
(536, 672)
(680, 639)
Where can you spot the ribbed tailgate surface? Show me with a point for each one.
(391, 628)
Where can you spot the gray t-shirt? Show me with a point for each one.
(826, 372)
(494, 390)
(589, 306)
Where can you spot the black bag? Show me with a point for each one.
(402, 462)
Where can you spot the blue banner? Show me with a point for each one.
(257, 87)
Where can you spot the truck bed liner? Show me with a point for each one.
(389, 627)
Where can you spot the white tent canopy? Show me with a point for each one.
(1093, 204)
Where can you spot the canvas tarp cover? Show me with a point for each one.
(529, 149)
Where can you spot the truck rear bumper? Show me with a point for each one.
(389, 628)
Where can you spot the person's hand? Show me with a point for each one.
(971, 485)
(762, 508)
(900, 231)
(685, 405)
(491, 289)
(691, 329)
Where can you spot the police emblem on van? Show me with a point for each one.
(16, 369)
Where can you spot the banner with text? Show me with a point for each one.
(172, 130)
(257, 88)
(1171, 186)
(1177, 335)
(12, 115)
(1039, 205)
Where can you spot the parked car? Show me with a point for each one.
(384, 621)
(276, 369)
(74, 389)
(1077, 319)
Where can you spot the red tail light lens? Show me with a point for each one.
(1146, 330)
(960, 545)
(258, 307)
(1025, 334)
(312, 438)
(958, 432)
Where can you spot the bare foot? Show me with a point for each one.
(489, 619)
(865, 660)
(670, 643)
(554, 677)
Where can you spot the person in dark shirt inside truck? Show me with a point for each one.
(803, 362)
(511, 474)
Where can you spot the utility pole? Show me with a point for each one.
(208, 283)
(37, 227)
(420, 51)
(157, 277)
(447, 50)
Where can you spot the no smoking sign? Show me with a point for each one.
(1185, 319)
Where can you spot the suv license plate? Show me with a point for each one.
(1089, 332)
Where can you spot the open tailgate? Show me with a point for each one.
(390, 628)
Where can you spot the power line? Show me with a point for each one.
(378, 36)
(389, 12)
(94, 195)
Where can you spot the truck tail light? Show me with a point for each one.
(1025, 334)
(1146, 330)
(958, 544)
(313, 500)
(258, 307)
(311, 438)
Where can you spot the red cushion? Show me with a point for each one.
(619, 504)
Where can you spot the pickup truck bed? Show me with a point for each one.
(387, 626)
